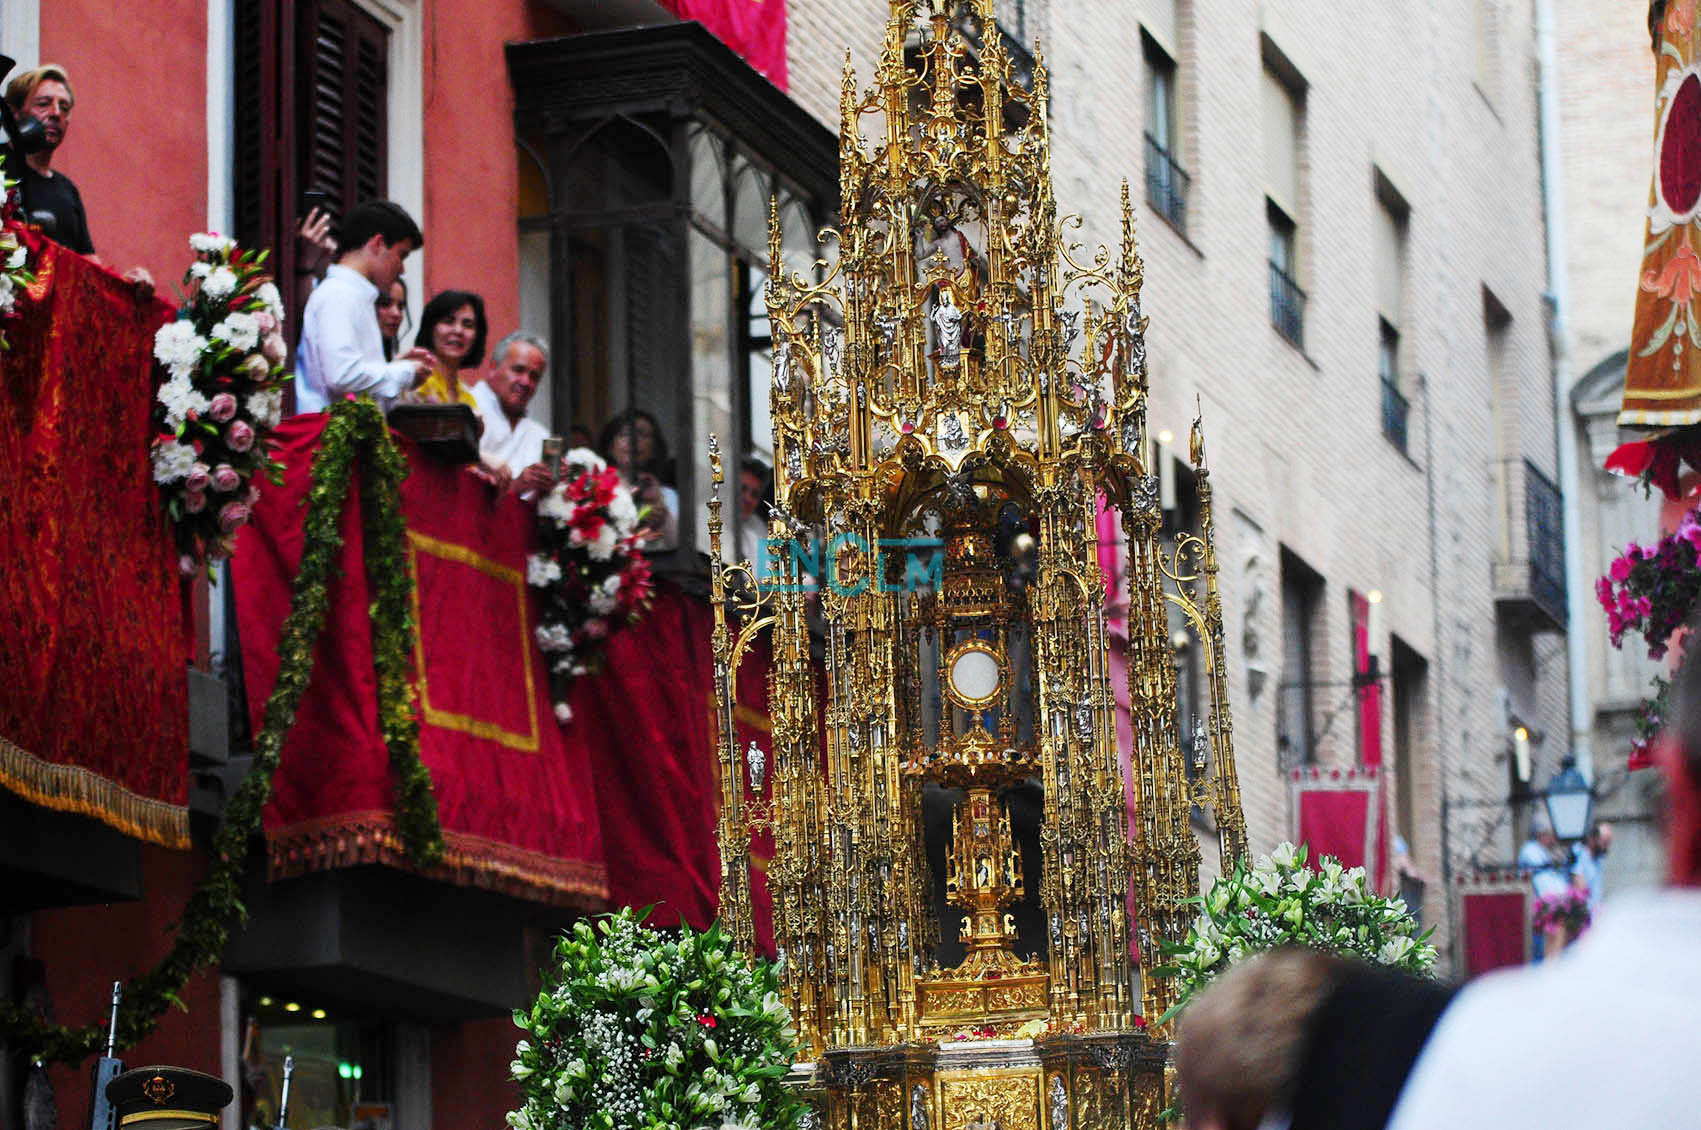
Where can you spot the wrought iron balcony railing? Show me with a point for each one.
(1529, 570)
(1287, 305)
(1396, 410)
(1167, 184)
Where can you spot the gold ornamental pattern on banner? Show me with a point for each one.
(957, 391)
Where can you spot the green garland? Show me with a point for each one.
(356, 432)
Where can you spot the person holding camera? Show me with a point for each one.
(634, 445)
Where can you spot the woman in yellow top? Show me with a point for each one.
(454, 329)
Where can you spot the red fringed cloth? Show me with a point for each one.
(94, 715)
(1333, 813)
(517, 803)
(1494, 914)
(756, 29)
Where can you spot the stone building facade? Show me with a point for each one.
(1386, 431)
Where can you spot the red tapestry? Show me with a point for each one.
(756, 29)
(516, 801)
(1496, 933)
(1332, 814)
(94, 714)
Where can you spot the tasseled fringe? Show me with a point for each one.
(70, 788)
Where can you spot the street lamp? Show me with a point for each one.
(1568, 799)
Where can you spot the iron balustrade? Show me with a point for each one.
(1530, 568)
(1167, 184)
(1396, 411)
(1287, 305)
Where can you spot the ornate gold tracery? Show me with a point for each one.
(955, 396)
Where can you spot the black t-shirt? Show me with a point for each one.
(54, 203)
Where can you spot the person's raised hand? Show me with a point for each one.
(533, 478)
(139, 278)
(314, 245)
(424, 363)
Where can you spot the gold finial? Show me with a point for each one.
(1196, 441)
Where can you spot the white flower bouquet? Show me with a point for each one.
(1279, 901)
(635, 1029)
(223, 394)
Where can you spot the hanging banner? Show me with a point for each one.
(1662, 384)
(756, 29)
(94, 715)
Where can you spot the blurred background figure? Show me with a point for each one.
(633, 443)
(1542, 859)
(1525, 1048)
(1302, 1040)
(392, 307)
(755, 496)
(1591, 855)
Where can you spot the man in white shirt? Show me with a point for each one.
(510, 436)
(341, 352)
(1603, 1034)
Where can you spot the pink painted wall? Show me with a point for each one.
(137, 146)
(470, 177)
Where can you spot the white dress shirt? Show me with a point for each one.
(341, 350)
(1602, 1036)
(517, 444)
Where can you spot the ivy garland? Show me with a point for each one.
(356, 432)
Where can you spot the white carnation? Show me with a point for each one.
(8, 294)
(178, 347)
(241, 330)
(586, 458)
(601, 547)
(623, 512)
(266, 407)
(268, 295)
(180, 398)
(541, 571)
(555, 505)
(172, 461)
(200, 269)
(18, 257)
(219, 284)
(605, 598)
(553, 638)
(206, 242)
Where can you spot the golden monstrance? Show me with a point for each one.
(954, 399)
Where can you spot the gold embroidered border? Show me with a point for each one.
(71, 788)
(448, 720)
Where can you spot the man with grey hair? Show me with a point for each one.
(517, 366)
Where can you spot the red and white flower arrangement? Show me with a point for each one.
(15, 273)
(223, 395)
(590, 567)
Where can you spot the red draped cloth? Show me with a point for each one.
(1333, 811)
(756, 29)
(517, 802)
(94, 714)
(1495, 930)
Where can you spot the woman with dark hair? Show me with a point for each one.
(634, 445)
(392, 314)
(453, 327)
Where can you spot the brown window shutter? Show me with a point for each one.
(343, 101)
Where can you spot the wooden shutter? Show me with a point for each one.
(343, 102)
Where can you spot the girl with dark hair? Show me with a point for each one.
(392, 314)
(453, 327)
(634, 445)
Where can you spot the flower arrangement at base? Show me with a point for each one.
(635, 1029)
(222, 396)
(1279, 901)
(590, 566)
(1566, 912)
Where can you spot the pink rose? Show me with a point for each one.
(194, 501)
(272, 345)
(266, 322)
(221, 408)
(186, 565)
(595, 629)
(199, 477)
(225, 479)
(231, 516)
(239, 435)
(257, 366)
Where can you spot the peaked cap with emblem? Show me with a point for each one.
(167, 1098)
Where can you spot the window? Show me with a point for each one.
(344, 1065)
(1283, 114)
(1166, 181)
(1296, 719)
(1395, 407)
(1391, 221)
(1287, 300)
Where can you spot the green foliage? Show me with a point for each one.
(639, 1030)
(1279, 901)
(356, 432)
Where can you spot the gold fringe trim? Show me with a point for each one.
(71, 788)
(357, 838)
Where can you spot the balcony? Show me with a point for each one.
(1167, 184)
(1287, 305)
(1396, 410)
(1529, 567)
